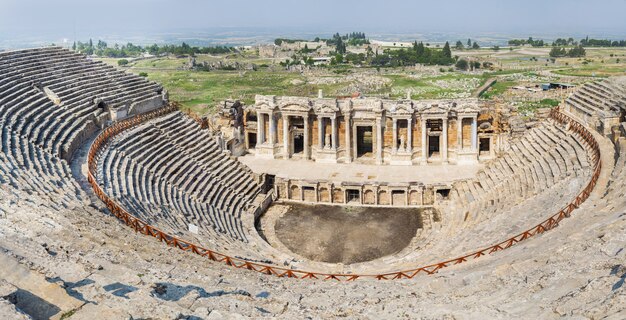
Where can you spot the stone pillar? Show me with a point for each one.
(379, 141)
(261, 121)
(409, 135)
(272, 130)
(334, 134)
(474, 134)
(424, 142)
(346, 118)
(259, 128)
(307, 152)
(286, 147)
(394, 148)
(444, 137)
(320, 132)
(459, 133)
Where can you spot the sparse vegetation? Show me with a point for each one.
(200, 90)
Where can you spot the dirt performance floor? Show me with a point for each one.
(343, 234)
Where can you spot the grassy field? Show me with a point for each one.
(498, 89)
(201, 91)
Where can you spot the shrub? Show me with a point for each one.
(462, 64)
(122, 62)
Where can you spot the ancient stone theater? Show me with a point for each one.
(109, 190)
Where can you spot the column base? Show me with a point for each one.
(326, 156)
(467, 157)
(267, 151)
(401, 159)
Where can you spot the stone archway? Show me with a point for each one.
(295, 193)
(414, 197)
(324, 194)
(383, 197)
(338, 196)
(369, 197)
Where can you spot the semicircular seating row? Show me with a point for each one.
(599, 97)
(40, 134)
(541, 173)
(171, 173)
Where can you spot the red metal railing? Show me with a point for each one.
(141, 226)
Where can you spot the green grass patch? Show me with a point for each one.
(497, 89)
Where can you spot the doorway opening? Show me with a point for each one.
(433, 146)
(251, 140)
(364, 141)
(298, 143)
(484, 145)
(353, 196)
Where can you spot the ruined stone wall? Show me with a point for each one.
(341, 130)
(452, 133)
(370, 193)
(467, 132)
(279, 131)
(417, 135)
(315, 141)
(388, 134)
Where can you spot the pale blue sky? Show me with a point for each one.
(85, 17)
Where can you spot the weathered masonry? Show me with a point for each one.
(368, 130)
(409, 194)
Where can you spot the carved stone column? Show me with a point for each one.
(444, 137)
(424, 142)
(261, 121)
(394, 147)
(334, 134)
(474, 134)
(320, 132)
(409, 135)
(307, 152)
(346, 118)
(272, 124)
(287, 149)
(379, 141)
(459, 133)
(259, 128)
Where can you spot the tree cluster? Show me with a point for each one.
(459, 45)
(529, 41)
(577, 51)
(350, 39)
(102, 49)
(419, 53)
(602, 43)
(564, 42)
(279, 41)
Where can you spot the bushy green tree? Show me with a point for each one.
(462, 64)
(557, 52)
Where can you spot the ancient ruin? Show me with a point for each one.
(84, 145)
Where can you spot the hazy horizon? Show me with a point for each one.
(38, 22)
